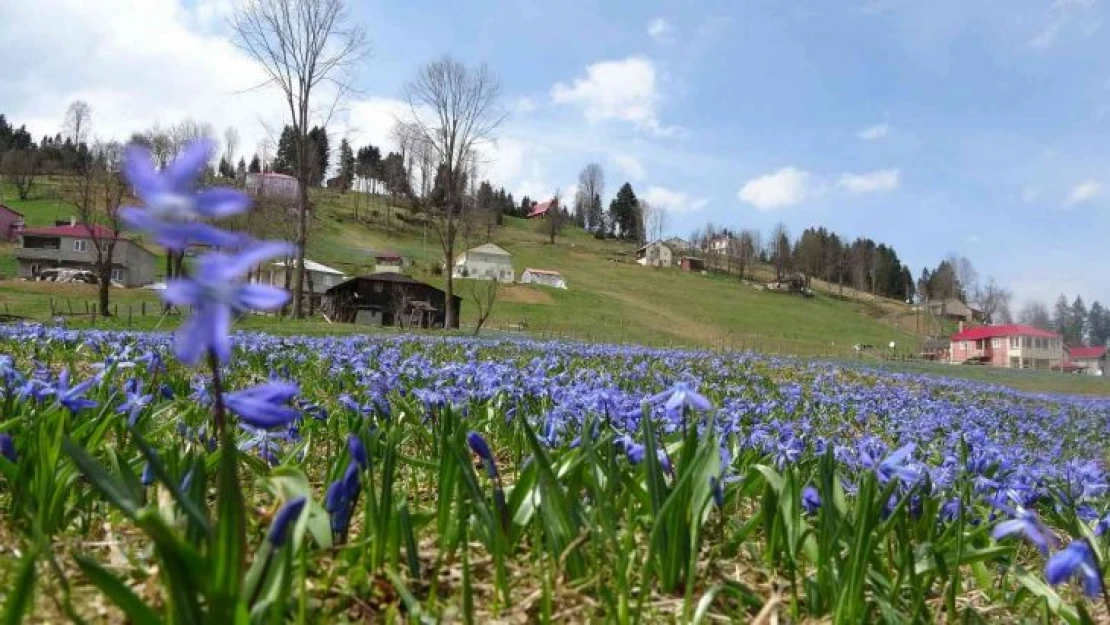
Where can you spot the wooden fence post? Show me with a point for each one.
(142, 309)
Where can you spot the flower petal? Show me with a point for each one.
(187, 167)
(138, 167)
(221, 202)
(182, 293)
(262, 297)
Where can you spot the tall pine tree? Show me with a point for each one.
(346, 165)
(624, 214)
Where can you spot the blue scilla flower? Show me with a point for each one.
(1026, 524)
(173, 208)
(215, 293)
(358, 451)
(265, 406)
(286, 515)
(135, 401)
(73, 397)
(1076, 560)
(481, 449)
(7, 447)
(811, 500)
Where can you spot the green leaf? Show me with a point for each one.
(228, 549)
(191, 509)
(22, 591)
(123, 597)
(115, 491)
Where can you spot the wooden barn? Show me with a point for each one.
(388, 299)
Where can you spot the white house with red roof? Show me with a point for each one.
(1089, 360)
(1015, 346)
(546, 277)
(73, 246)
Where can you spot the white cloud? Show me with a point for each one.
(525, 104)
(660, 30)
(629, 166)
(870, 182)
(135, 63)
(623, 90)
(372, 120)
(1065, 15)
(878, 131)
(673, 201)
(1083, 192)
(785, 187)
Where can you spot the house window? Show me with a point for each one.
(1015, 362)
(996, 343)
(117, 275)
(34, 269)
(80, 245)
(1015, 342)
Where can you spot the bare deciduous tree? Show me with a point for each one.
(400, 304)
(778, 249)
(78, 121)
(231, 143)
(655, 220)
(300, 44)
(96, 194)
(587, 198)
(453, 110)
(21, 167)
(551, 225)
(992, 299)
(484, 295)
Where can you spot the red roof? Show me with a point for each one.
(10, 210)
(1082, 352)
(990, 332)
(541, 209)
(80, 231)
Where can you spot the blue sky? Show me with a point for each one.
(939, 127)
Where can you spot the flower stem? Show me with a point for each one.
(219, 413)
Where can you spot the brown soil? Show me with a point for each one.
(521, 294)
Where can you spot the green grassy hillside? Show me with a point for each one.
(610, 297)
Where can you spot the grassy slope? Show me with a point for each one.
(609, 299)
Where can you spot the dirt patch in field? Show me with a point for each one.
(524, 295)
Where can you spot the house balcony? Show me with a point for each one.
(39, 253)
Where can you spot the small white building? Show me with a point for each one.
(546, 277)
(321, 277)
(655, 254)
(274, 185)
(485, 262)
(389, 263)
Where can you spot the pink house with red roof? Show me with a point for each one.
(11, 222)
(1014, 346)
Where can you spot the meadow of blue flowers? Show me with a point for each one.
(201, 475)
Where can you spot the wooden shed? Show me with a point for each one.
(388, 299)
